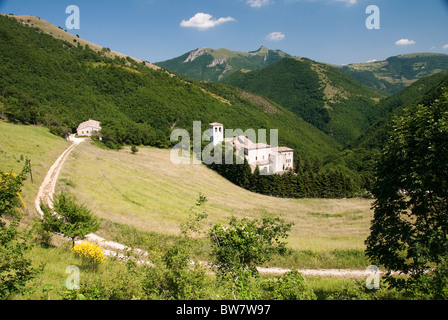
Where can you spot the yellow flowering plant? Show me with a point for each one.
(89, 252)
(10, 188)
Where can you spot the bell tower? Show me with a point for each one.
(216, 133)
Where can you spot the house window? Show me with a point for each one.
(220, 129)
(256, 158)
(216, 129)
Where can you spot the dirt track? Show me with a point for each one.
(47, 188)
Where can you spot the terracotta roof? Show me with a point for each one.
(215, 124)
(263, 162)
(89, 123)
(284, 149)
(245, 142)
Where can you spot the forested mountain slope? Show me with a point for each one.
(398, 72)
(320, 94)
(57, 83)
(360, 155)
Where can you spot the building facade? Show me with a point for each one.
(87, 128)
(261, 155)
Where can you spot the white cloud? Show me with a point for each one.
(257, 3)
(348, 2)
(275, 36)
(404, 42)
(445, 46)
(203, 21)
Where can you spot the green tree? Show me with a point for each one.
(134, 149)
(409, 231)
(238, 248)
(69, 218)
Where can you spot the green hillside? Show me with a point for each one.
(422, 91)
(323, 96)
(396, 73)
(60, 84)
(217, 64)
(361, 153)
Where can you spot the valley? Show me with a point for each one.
(337, 119)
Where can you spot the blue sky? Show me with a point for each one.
(332, 31)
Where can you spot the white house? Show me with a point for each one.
(274, 160)
(86, 128)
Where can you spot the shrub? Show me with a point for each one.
(10, 188)
(289, 286)
(432, 285)
(91, 253)
(15, 270)
(239, 248)
(40, 235)
(175, 276)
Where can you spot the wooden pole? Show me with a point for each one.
(31, 173)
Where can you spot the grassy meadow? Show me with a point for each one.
(145, 190)
(18, 143)
(149, 193)
(141, 200)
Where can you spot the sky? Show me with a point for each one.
(332, 31)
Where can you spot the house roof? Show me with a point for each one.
(215, 124)
(284, 149)
(89, 123)
(243, 141)
(263, 162)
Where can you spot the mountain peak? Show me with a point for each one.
(262, 49)
(216, 64)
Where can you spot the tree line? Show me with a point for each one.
(309, 179)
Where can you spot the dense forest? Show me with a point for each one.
(361, 154)
(330, 100)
